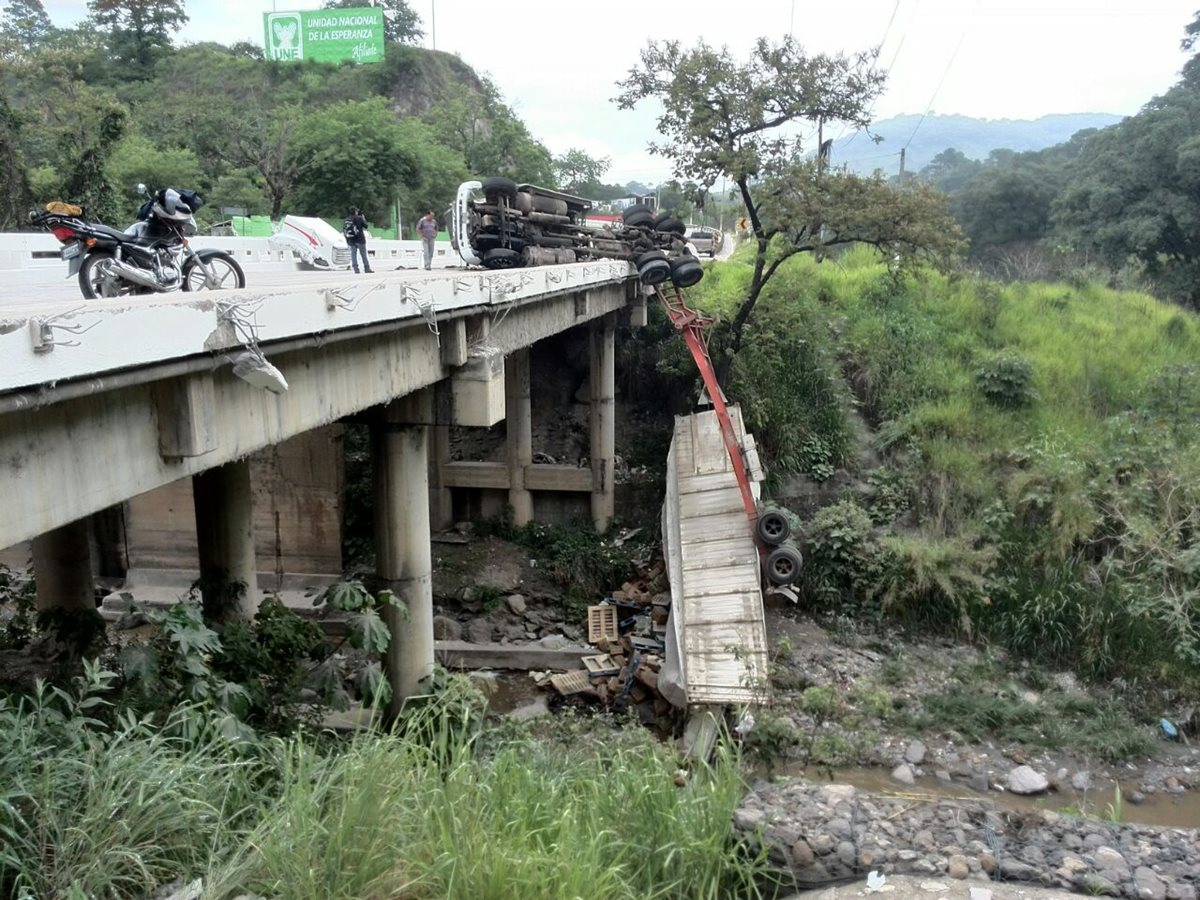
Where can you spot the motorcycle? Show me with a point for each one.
(151, 256)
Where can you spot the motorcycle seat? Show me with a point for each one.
(119, 236)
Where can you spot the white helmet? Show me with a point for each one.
(170, 207)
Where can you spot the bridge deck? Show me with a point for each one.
(92, 337)
(717, 607)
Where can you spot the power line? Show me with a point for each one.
(941, 81)
(887, 73)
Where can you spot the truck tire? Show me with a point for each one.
(773, 527)
(639, 220)
(686, 271)
(634, 210)
(670, 225)
(505, 187)
(501, 258)
(783, 565)
(647, 256)
(654, 271)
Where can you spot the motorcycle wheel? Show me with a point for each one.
(225, 270)
(93, 277)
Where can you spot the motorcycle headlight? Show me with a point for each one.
(189, 227)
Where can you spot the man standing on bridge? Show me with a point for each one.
(428, 230)
(355, 231)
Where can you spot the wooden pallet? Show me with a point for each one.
(600, 664)
(571, 682)
(602, 623)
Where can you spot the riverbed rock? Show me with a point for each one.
(959, 867)
(1082, 780)
(904, 774)
(802, 854)
(516, 603)
(1110, 863)
(1148, 885)
(481, 631)
(1026, 780)
(914, 753)
(978, 782)
(446, 629)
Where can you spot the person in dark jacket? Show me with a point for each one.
(355, 231)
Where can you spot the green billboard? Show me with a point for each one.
(326, 35)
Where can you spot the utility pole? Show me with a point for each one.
(721, 208)
(433, 22)
(902, 149)
(792, 20)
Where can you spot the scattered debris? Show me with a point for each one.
(629, 630)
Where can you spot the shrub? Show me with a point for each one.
(1006, 380)
(842, 556)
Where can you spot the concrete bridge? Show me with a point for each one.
(103, 401)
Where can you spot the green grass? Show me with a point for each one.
(1083, 724)
(1058, 519)
(97, 804)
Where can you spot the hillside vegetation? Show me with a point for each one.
(78, 122)
(1038, 476)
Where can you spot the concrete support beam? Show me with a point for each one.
(186, 411)
(603, 421)
(567, 479)
(441, 499)
(453, 338)
(62, 565)
(636, 295)
(402, 551)
(478, 389)
(225, 539)
(519, 434)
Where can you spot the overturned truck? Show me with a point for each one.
(499, 224)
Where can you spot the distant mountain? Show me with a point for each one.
(976, 138)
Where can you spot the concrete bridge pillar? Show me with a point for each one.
(399, 443)
(519, 434)
(62, 565)
(441, 499)
(225, 541)
(603, 421)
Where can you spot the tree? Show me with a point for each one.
(576, 168)
(24, 27)
(722, 116)
(138, 30)
(353, 154)
(1135, 193)
(15, 193)
(491, 139)
(950, 170)
(136, 159)
(401, 24)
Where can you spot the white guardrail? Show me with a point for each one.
(36, 254)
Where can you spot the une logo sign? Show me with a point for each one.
(283, 36)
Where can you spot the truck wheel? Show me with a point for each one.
(670, 225)
(634, 210)
(783, 565)
(654, 271)
(773, 527)
(505, 187)
(686, 271)
(643, 258)
(501, 258)
(639, 220)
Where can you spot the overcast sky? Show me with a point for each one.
(556, 63)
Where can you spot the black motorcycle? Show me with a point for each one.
(151, 256)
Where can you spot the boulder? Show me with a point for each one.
(903, 774)
(1026, 780)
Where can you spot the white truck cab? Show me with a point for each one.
(314, 241)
